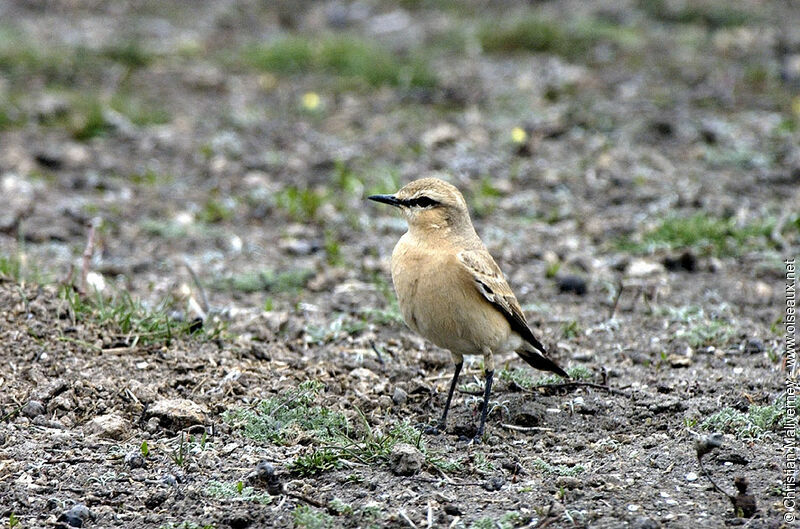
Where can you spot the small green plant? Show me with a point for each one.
(314, 463)
(144, 449)
(758, 422)
(236, 491)
(572, 330)
(523, 376)
(339, 507)
(290, 281)
(706, 234)
(536, 34)
(279, 419)
(130, 319)
(140, 112)
(342, 326)
(557, 470)
(552, 270)
(347, 57)
(129, 53)
(215, 211)
(13, 521)
(287, 55)
(300, 204)
(712, 14)
(308, 518)
(179, 454)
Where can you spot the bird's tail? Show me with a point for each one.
(538, 360)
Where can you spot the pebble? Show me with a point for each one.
(405, 459)
(134, 459)
(178, 413)
(687, 262)
(754, 346)
(642, 268)
(644, 522)
(109, 426)
(33, 408)
(691, 476)
(399, 397)
(440, 135)
(572, 283)
(77, 515)
(494, 484)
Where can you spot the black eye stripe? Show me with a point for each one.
(421, 202)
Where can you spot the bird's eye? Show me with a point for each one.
(422, 202)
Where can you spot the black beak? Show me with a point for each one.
(386, 199)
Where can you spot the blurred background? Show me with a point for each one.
(243, 136)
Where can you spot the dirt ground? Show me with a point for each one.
(634, 170)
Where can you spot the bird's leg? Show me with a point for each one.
(485, 411)
(441, 427)
(443, 420)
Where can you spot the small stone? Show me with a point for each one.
(77, 515)
(687, 262)
(178, 413)
(440, 135)
(527, 416)
(299, 246)
(572, 283)
(399, 397)
(405, 459)
(644, 522)
(642, 268)
(134, 459)
(153, 425)
(110, 426)
(569, 482)
(754, 346)
(494, 484)
(155, 499)
(33, 408)
(691, 476)
(678, 361)
(169, 479)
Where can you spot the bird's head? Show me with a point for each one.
(430, 204)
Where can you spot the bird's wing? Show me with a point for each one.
(493, 286)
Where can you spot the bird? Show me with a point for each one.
(450, 289)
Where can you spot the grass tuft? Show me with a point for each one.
(290, 416)
(523, 378)
(714, 15)
(706, 234)
(348, 57)
(130, 320)
(533, 33)
(267, 280)
(236, 491)
(556, 470)
(757, 423)
(306, 517)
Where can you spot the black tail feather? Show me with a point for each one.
(541, 362)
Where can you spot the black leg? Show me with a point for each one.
(485, 410)
(443, 420)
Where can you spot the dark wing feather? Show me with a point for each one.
(491, 283)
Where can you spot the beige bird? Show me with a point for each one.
(450, 289)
